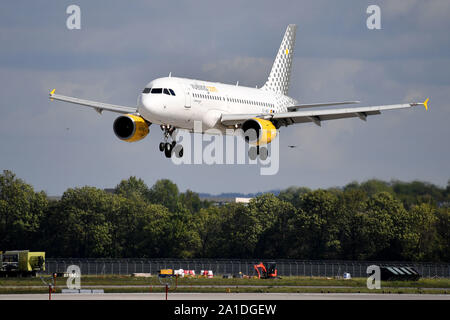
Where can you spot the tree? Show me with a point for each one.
(421, 238)
(207, 225)
(417, 192)
(265, 209)
(374, 186)
(386, 227)
(275, 219)
(21, 211)
(168, 234)
(372, 220)
(239, 232)
(153, 235)
(447, 190)
(132, 188)
(127, 217)
(352, 221)
(165, 192)
(183, 240)
(293, 194)
(316, 225)
(443, 230)
(191, 201)
(354, 185)
(81, 221)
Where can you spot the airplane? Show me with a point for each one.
(176, 103)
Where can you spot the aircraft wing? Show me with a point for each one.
(325, 104)
(316, 116)
(98, 106)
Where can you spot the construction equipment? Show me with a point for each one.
(20, 263)
(266, 273)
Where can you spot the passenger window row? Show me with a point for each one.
(210, 97)
(235, 100)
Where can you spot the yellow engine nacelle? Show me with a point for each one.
(258, 131)
(130, 128)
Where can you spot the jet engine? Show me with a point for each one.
(130, 128)
(259, 131)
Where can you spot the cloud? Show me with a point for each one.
(248, 71)
(122, 46)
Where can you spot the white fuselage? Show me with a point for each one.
(197, 100)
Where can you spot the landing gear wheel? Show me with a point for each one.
(252, 153)
(168, 145)
(263, 153)
(178, 151)
(168, 150)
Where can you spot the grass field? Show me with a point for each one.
(130, 284)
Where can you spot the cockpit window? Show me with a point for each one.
(156, 90)
(172, 92)
(146, 90)
(166, 92)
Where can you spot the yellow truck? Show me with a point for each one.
(163, 273)
(21, 263)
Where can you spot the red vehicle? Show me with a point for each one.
(266, 273)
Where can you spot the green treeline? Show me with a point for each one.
(374, 220)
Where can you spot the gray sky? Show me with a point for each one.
(122, 45)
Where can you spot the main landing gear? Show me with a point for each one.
(254, 152)
(169, 145)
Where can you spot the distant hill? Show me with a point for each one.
(236, 195)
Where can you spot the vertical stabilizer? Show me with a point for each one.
(280, 74)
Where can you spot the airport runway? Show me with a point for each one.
(227, 296)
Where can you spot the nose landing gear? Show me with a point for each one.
(169, 145)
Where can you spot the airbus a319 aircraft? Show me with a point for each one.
(176, 103)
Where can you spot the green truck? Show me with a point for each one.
(21, 263)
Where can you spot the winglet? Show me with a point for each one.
(51, 94)
(425, 104)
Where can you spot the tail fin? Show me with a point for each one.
(280, 74)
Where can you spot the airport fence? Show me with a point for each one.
(310, 268)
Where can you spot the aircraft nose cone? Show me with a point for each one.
(146, 102)
(149, 107)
